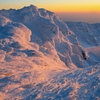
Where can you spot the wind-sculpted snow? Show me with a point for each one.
(31, 25)
(42, 59)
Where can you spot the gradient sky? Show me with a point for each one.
(69, 10)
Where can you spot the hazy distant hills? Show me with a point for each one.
(40, 52)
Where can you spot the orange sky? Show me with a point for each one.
(71, 7)
(74, 8)
(55, 5)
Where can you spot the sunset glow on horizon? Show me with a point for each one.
(57, 6)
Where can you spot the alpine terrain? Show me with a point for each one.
(44, 58)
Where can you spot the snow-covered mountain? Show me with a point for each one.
(45, 29)
(88, 34)
(44, 59)
(89, 37)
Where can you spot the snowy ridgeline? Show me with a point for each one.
(31, 31)
(39, 51)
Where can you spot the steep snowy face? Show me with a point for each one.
(31, 25)
(88, 34)
(89, 37)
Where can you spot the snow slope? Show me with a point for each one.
(88, 34)
(89, 37)
(42, 59)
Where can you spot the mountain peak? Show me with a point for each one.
(40, 57)
(31, 8)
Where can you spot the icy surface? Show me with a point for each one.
(41, 58)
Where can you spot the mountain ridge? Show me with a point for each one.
(42, 58)
(45, 26)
